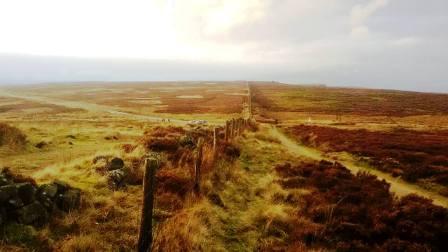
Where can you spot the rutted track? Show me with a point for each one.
(88, 107)
(398, 186)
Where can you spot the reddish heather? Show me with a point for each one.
(358, 213)
(412, 154)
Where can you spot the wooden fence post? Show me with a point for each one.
(197, 166)
(226, 131)
(215, 138)
(238, 126)
(149, 187)
(232, 134)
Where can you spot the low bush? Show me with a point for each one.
(358, 212)
(411, 154)
(161, 144)
(173, 181)
(230, 150)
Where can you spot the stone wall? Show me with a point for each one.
(23, 201)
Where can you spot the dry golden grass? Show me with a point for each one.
(242, 206)
(11, 137)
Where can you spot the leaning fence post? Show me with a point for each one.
(197, 166)
(145, 234)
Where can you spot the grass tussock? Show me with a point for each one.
(186, 231)
(11, 136)
(266, 138)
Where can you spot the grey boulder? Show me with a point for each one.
(33, 214)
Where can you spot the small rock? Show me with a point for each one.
(26, 192)
(46, 195)
(15, 203)
(48, 190)
(61, 185)
(71, 200)
(117, 177)
(115, 164)
(41, 145)
(4, 180)
(7, 192)
(33, 214)
(216, 199)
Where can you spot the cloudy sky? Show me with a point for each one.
(398, 44)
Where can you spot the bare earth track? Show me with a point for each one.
(87, 106)
(399, 187)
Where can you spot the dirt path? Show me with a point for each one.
(398, 186)
(88, 107)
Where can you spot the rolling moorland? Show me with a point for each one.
(306, 168)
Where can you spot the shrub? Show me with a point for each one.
(230, 150)
(160, 144)
(173, 181)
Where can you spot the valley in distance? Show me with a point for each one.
(222, 166)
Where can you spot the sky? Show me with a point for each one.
(394, 44)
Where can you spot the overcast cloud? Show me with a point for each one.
(398, 44)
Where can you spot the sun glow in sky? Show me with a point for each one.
(130, 29)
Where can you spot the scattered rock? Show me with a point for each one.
(71, 136)
(71, 200)
(61, 186)
(41, 144)
(26, 192)
(4, 180)
(117, 177)
(15, 203)
(48, 190)
(216, 199)
(115, 164)
(7, 192)
(33, 214)
(111, 138)
(46, 195)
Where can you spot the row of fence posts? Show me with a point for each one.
(232, 129)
